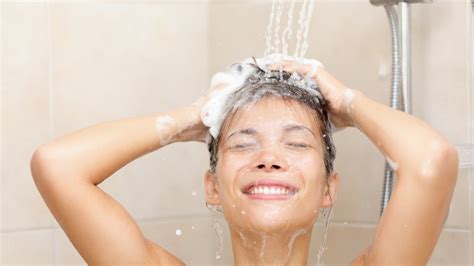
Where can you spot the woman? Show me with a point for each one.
(271, 170)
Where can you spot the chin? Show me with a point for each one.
(272, 219)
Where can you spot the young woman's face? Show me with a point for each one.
(270, 169)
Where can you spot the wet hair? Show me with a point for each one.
(260, 84)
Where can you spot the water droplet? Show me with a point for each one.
(192, 227)
(194, 193)
(243, 212)
(219, 231)
(233, 206)
(345, 222)
(178, 232)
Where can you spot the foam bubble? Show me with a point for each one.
(348, 95)
(223, 84)
(165, 124)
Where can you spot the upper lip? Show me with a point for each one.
(269, 182)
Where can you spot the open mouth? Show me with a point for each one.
(269, 191)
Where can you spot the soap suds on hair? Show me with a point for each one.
(223, 84)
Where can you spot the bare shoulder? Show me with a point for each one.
(160, 256)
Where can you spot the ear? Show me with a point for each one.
(329, 196)
(212, 193)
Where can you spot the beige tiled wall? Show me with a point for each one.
(69, 65)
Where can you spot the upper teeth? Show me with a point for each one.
(269, 190)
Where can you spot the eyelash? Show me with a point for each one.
(247, 145)
(298, 145)
(241, 146)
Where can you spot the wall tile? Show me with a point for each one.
(459, 212)
(440, 83)
(96, 43)
(64, 251)
(344, 243)
(27, 247)
(168, 182)
(440, 87)
(232, 38)
(453, 248)
(25, 113)
(194, 243)
(187, 246)
(160, 52)
(361, 169)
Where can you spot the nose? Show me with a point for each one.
(270, 160)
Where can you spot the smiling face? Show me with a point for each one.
(270, 175)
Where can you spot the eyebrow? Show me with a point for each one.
(287, 128)
(245, 131)
(290, 128)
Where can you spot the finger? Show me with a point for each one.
(287, 67)
(283, 62)
(328, 82)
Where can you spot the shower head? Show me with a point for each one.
(394, 2)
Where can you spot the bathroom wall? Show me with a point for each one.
(69, 65)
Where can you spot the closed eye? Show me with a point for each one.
(298, 145)
(242, 146)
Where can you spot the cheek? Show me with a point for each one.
(231, 163)
(311, 164)
(313, 171)
(228, 167)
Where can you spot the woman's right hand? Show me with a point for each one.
(192, 127)
(189, 125)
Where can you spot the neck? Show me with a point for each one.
(279, 248)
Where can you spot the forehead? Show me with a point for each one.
(272, 113)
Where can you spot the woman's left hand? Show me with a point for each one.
(337, 95)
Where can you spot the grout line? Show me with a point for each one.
(28, 229)
(51, 98)
(132, 2)
(2, 179)
(141, 220)
(204, 216)
(174, 217)
(469, 58)
(349, 224)
(50, 74)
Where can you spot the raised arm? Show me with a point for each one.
(67, 171)
(426, 165)
(426, 169)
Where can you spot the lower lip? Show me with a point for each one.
(268, 197)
